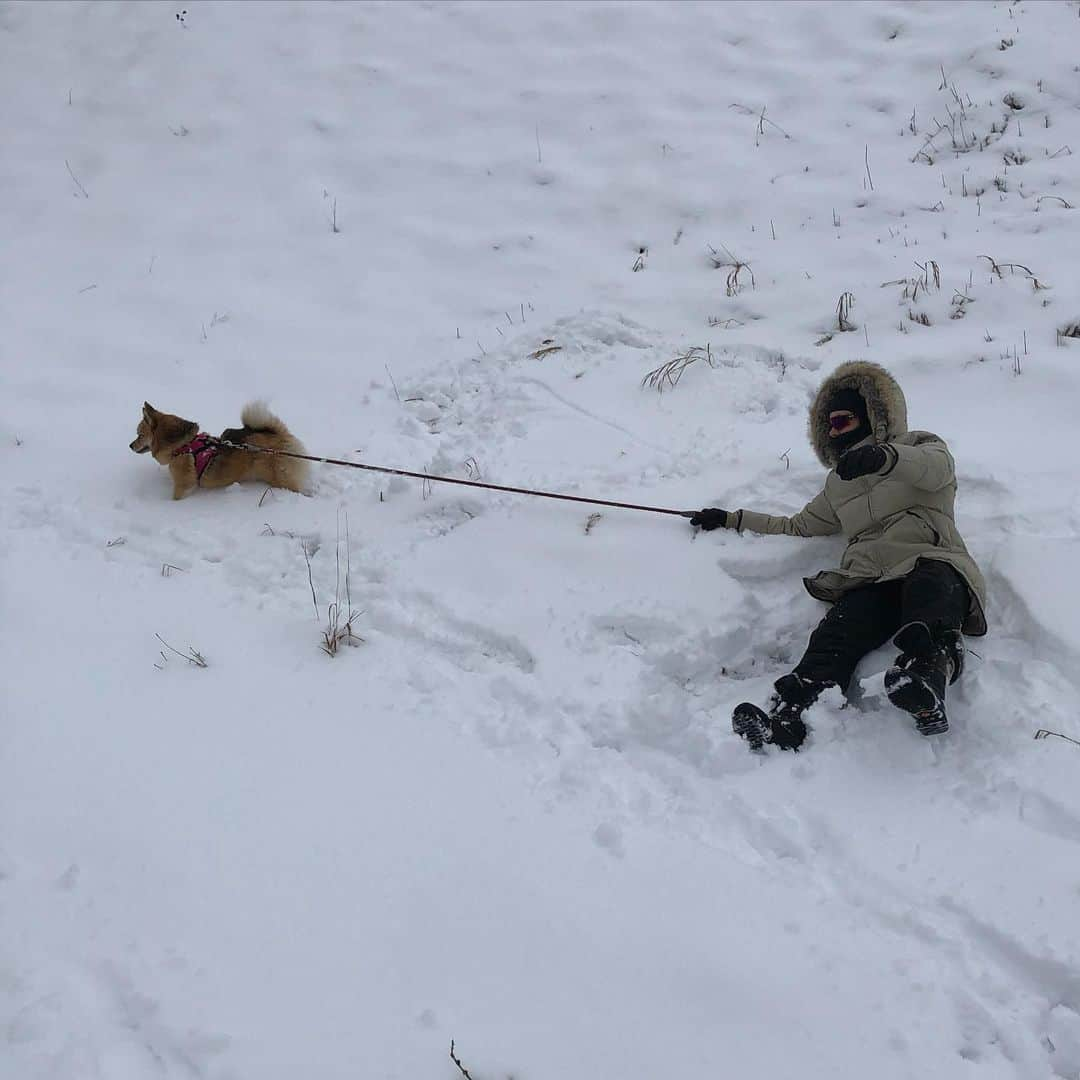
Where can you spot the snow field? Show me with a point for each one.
(515, 815)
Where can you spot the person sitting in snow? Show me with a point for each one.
(905, 574)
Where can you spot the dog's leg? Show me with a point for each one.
(184, 477)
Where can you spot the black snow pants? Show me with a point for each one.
(865, 618)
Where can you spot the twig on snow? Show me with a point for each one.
(311, 582)
(1043, 733)
(192, 656)
(1067, 205)
(761, 118)
(82, 190)
(457, 1061)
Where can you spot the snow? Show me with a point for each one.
(514, 815)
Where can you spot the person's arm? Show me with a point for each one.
(928, 466)
(816, 518)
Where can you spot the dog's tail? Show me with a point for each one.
(259, 420)
(263, 428)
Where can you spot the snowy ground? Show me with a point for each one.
(515, 815)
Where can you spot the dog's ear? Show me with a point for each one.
(149, 412)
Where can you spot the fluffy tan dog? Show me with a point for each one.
(195, 459)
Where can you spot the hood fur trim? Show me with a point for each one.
(885, 406)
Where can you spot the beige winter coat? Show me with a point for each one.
(891, 519)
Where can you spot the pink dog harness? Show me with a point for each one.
(203, 448)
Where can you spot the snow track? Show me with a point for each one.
(458, 238)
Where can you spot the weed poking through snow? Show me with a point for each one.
(667, 375)
(339, 616)
(192, 656)
(457, 1061)
(1069, 330)
(734, 266)
(843, 310)
(762, 120)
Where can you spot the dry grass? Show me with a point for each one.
(1069, 330)
(1056, 198)
(762, 120)
(733, 285)
(667, 375)
(930, 269)
(734, 266)
(457, 1061)
(547, 347)
(959, 304)
(930, 272)
(998, 269)
(843, 310)
(192, 656)
(340, 614)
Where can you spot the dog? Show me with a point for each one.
(195, 459)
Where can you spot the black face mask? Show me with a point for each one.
(850, 401)
(850, 438)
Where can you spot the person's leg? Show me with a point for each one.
(860, 621)
(937, 596)
(933, 604)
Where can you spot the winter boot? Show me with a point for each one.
(782, 725)
(916, 682)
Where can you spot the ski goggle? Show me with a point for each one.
(842, 420)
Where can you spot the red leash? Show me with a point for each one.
(454, 480)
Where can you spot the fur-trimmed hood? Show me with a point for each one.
(885, 406)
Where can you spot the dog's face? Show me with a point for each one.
(144, 432)
(161, 432)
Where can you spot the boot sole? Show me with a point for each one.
(752, 724)
(915, 697)
(934, 722)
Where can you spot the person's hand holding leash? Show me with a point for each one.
(710, 518)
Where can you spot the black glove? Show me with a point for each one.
(788, 734)
(861, 461)
(710, 518)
